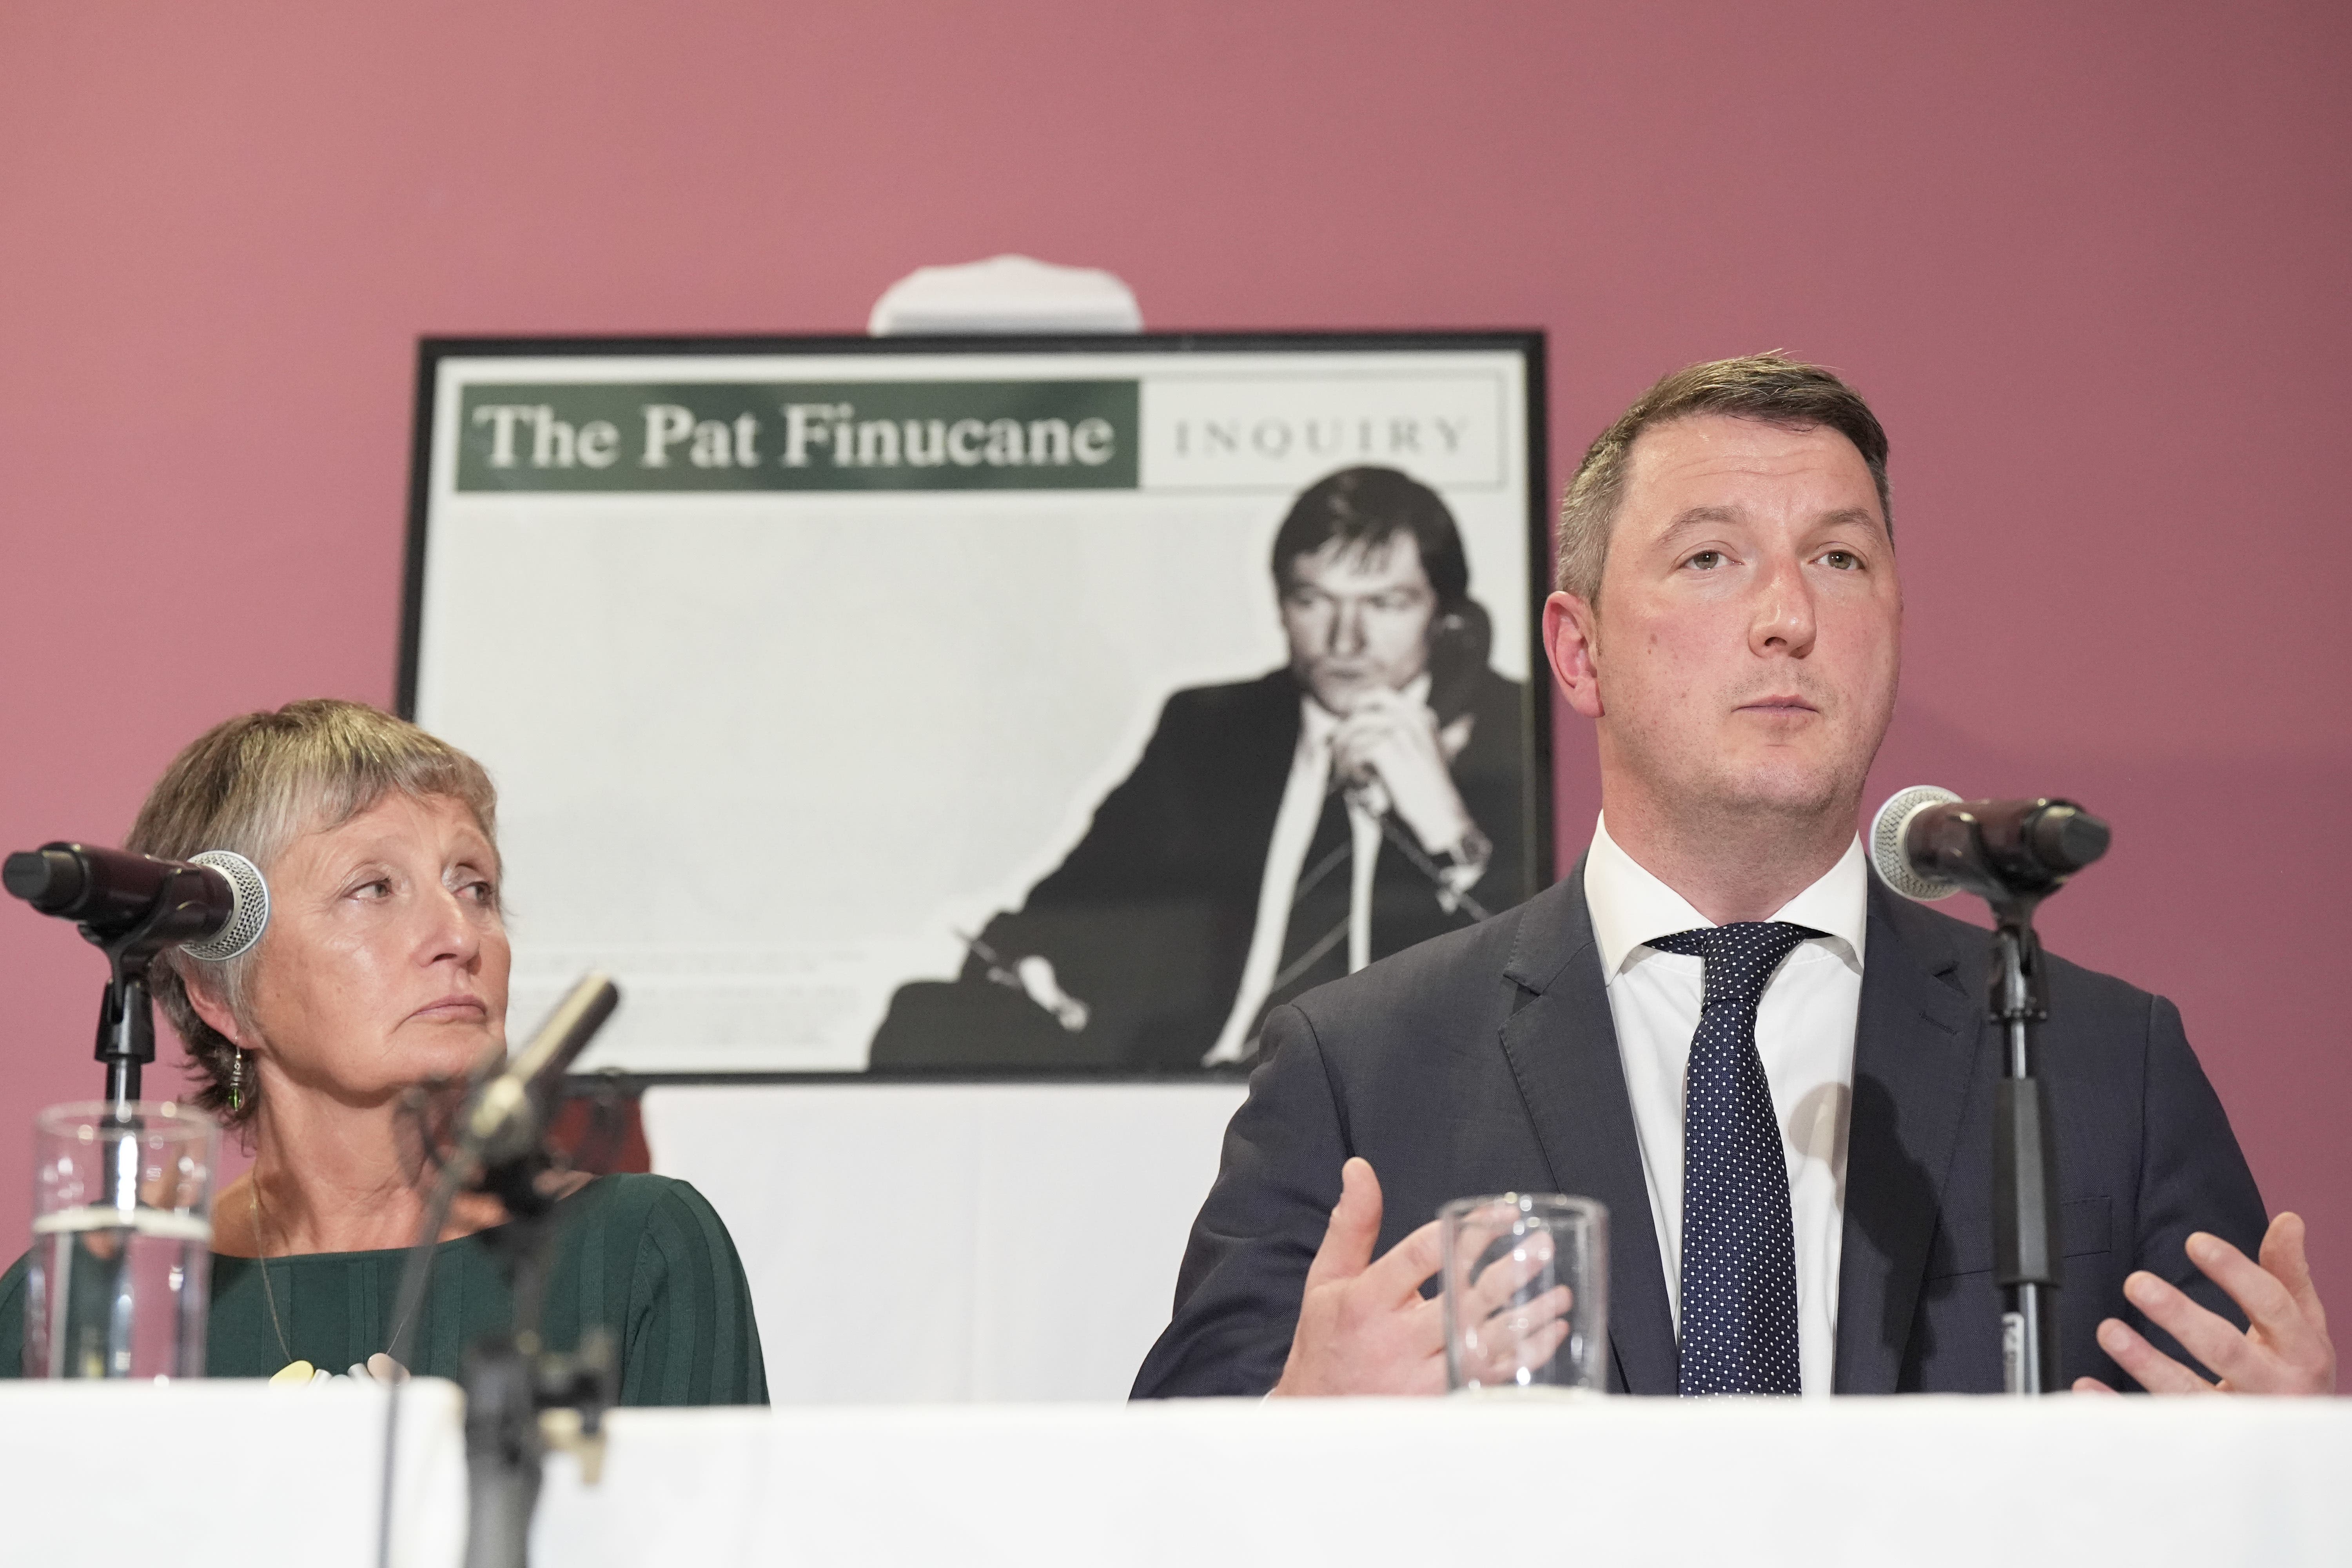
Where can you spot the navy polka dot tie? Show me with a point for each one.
(1740, 1247)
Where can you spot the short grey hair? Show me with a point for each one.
(254, 784)
(1771, 387)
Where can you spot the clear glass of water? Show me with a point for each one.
(121, 1265)
(1526, 1279)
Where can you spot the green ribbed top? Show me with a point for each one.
(646, 1256)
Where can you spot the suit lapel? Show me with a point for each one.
(1917, 1037)
(1561, 1046)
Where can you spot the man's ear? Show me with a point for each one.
(212, 1007)
(1571, 631)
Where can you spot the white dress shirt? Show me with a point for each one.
(1286, 858)
(1804, 1032)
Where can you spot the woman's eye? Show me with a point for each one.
(378, 888)
(1705, 560)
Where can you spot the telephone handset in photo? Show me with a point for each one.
(1459, 642)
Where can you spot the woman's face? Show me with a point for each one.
(385, 960)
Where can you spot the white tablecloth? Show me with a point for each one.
(939, 1243)
(242, 1474)
(1924, 1481)
(226, 1475)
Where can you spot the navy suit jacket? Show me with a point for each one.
(1485, 1061)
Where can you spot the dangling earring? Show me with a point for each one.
(236, 1082)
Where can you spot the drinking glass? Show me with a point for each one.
(1526, 1279)
(121, 1261)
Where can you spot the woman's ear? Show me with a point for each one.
(212, 1008)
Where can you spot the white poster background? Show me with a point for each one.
(761, 755)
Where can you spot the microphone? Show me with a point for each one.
(1927, 844)
(504, 1119)
(215, 905)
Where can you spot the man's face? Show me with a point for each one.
(1357, 618)
(1746, 647)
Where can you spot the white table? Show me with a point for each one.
(240, 1473)
(1926, 1482)
(224, 1475)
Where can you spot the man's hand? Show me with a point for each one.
(1394, 740)
(1498, 1335)
(1363, 1327)
(2285, 1350)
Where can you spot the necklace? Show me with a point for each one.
(381, 1366)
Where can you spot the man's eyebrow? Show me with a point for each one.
(1699, 517)
(1855, 516)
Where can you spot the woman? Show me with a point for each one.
(385, 964)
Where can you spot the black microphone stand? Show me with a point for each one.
(519, 1396)
(2013, 854)
(2025, 1250)
(514, 1384)
(126, 1035)
(126, 1011)
(126, 1043)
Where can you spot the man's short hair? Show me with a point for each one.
(1770, 387)
(1364, 507)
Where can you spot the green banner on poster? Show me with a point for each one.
(834, 436)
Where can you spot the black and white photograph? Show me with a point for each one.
(1046, 708)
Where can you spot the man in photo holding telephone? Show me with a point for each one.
(1277, 832)
(1388, 652)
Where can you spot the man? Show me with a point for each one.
(1728, 616)
(1277, 832)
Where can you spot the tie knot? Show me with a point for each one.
(1741, 957)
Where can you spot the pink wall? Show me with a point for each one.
(2089, 262)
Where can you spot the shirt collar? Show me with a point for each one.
(1630, 906)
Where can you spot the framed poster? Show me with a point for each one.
(983, 706)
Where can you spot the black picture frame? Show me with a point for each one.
(1536, 815)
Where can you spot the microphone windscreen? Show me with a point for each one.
(2065, 837)
(1888, 855)
(249, 914)
(48, 879)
